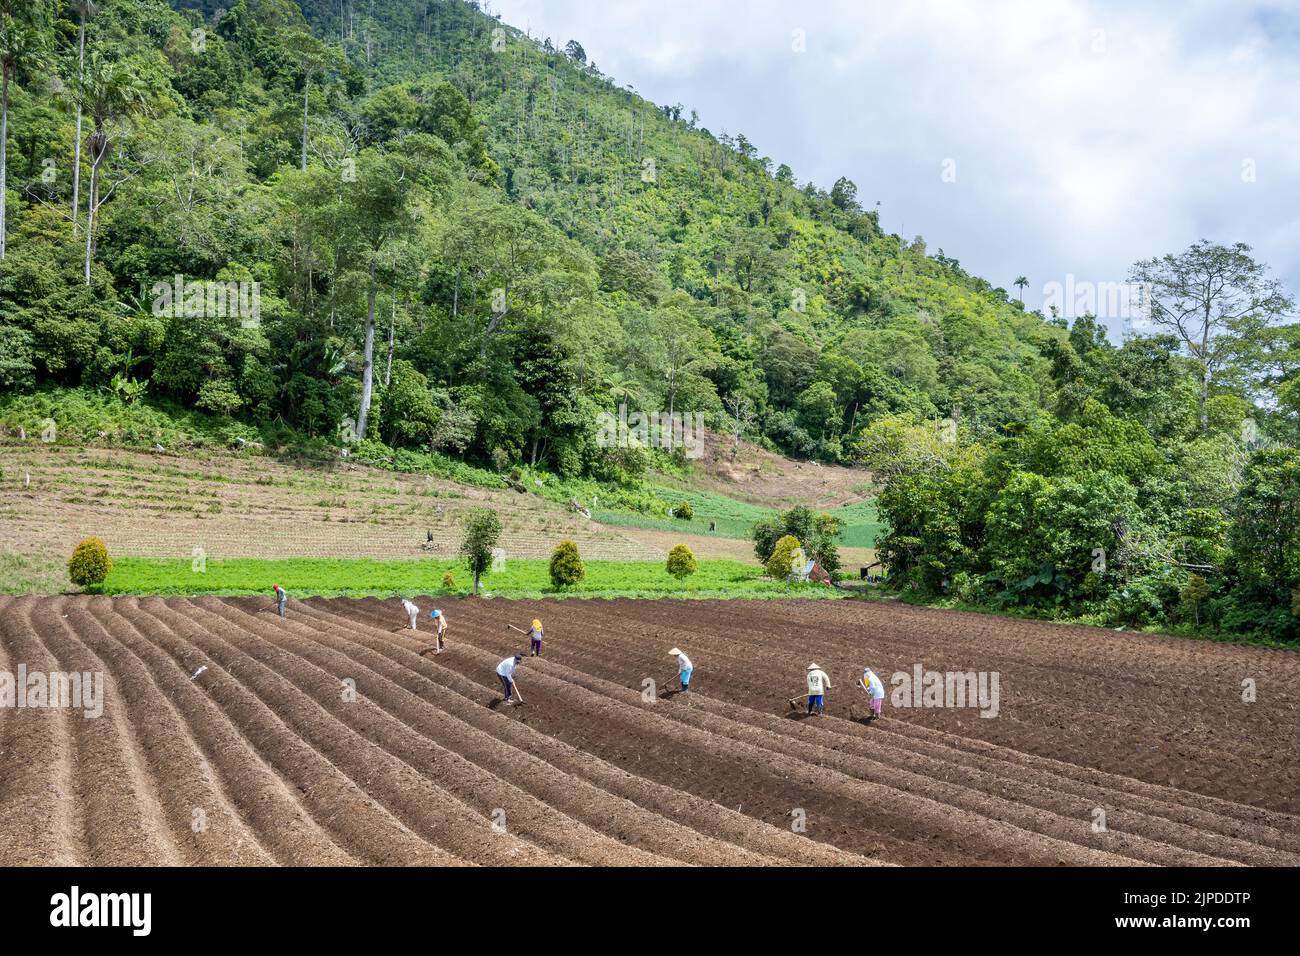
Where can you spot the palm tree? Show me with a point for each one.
(109, 90)
(85, 10)
(1021, 282)
(23, 46)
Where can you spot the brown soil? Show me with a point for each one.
(326, 738)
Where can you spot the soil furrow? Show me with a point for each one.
(41, 803)
(374, 713)
(270, 805)
(354, 819)
(584, 782)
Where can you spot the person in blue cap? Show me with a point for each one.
(440, 620)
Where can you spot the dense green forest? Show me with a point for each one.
(406, 225)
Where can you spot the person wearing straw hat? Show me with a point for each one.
(535, 638)
(412, 612)
(440, 620)
(684, 669)
(818, 684)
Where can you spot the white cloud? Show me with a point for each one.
(1086, 134)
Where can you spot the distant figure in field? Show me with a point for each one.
(818, 684)
(684, 669)
(535, 638)
(875, 692)
(412, 611)
(440, 621)
(281, 598)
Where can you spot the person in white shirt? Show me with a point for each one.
(506, 671)
(875, 691)
(412, 611)
(818, 684)
(684, 669)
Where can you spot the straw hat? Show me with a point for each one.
(674, 652)
(813, 667)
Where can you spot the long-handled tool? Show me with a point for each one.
(515, 687)
(519, 629)
(794, 700)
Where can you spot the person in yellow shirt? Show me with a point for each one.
(818, 684)
(440, 620)
(535, 638)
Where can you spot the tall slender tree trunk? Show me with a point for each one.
(368, 365)
(76, 149)
(4, 159)
(392, 328)
(306, 89)
(1205, 370)
(92, 197)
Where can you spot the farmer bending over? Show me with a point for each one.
(506, 671)
(684, 669)
(440, 620)
(818, 684)
(412, 612)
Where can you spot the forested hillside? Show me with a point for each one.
(642, 260)
(406, 225)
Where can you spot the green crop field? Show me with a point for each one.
(347, 577)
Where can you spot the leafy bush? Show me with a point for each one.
(684, 511)
(90, 563)
(566, 565)
(681, 563)
(781, 563)
(448, 582)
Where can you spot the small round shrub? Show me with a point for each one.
(90, 563)
(684, 511)
(566, 565)
(781, 563)
(681, 563)
(448, 582)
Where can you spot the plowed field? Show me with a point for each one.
(327, 739)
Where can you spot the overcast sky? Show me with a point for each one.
(1080, 135)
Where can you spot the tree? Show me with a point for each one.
(1020, 283)
(314, 58)
(573, 49)
(482, 532)
(110, 90)
(24, 46)
(380, 208)
(681, 563)
(1193, 595)
(1216, 299)
(566, 565)
(844, 194)
(85, 10)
